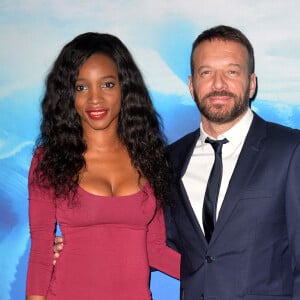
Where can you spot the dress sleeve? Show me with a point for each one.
(160, 256)
(42, 223)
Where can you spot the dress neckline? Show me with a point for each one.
(145, 186)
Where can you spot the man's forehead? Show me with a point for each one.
(219, 49)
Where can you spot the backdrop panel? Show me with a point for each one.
(159, 34)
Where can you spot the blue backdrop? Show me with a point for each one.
(159, 34)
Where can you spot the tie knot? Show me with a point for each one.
(216, 144)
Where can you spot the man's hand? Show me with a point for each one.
(58, 246)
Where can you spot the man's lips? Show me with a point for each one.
(97, 113)
(222, 96)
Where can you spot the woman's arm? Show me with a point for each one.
(42, 222)
(160, 256)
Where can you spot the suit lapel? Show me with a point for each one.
(242, 173)
(181, 163)
(183, 156)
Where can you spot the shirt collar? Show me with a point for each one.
(236, 134)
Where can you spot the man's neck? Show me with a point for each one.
(216, 129)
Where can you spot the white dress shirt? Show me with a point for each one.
(201, 162)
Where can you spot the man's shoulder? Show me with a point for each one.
(184, 141)
(276, 131)
(280, 130)
(181, 148)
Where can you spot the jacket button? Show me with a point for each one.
(209, 259)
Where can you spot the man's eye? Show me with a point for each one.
(80, 87)
(205, 73)
(233, 72)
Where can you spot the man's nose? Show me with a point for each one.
(219, 81)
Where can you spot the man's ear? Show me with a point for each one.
(252, 86)
(191, 86)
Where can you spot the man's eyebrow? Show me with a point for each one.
(229, 65)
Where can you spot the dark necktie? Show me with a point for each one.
(212, 189)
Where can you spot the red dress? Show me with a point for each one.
(109, 244)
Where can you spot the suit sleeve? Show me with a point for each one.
(293, 217)
(160, 256)
(42, 223)
(171, 231)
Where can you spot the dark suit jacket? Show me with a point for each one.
(254, 252)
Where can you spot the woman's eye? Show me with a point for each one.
(80, 87)
(108, 84)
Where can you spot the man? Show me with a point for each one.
(251, 247)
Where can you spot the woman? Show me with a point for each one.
(100, 172)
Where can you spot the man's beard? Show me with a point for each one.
(217, 113)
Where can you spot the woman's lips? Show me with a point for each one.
(97, 113)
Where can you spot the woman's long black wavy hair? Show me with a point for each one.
(61, 137)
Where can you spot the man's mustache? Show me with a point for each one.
(219, 93)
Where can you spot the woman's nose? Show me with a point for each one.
(95, 95)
